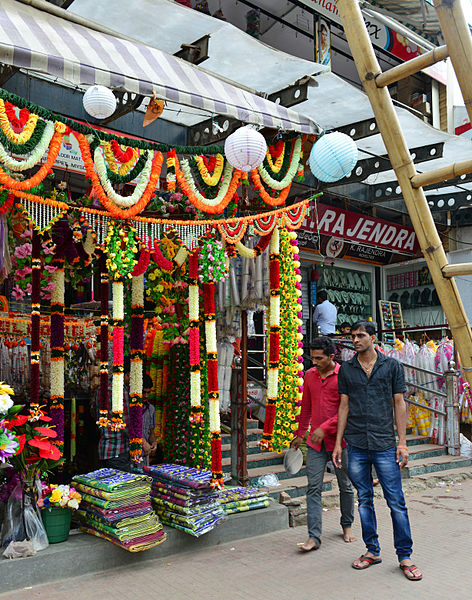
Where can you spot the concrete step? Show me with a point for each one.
(252, 424)
(421, 451)
(435, 464)
(256, 472)
(261, 459)
(252, 448)
(252, 436)
(415, 440)
(296, 487)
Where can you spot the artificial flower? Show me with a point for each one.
(5, 403)
(8, 445)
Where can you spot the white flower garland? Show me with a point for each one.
(292, 171)
(36, 155)
(118, 199)
(57, 366)
(210, 334)
(226, 182)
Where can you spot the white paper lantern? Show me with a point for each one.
(245, 149)
(99, 102)
(333, 157)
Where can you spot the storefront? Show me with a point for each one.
(346, 253)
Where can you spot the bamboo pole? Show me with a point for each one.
(457, 270)
(411, 66)
(457, 37)
(442, 174)
(400, 158)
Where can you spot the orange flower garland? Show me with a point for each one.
(38, 177)
(187, 190)
(98, 189)
(268, 199)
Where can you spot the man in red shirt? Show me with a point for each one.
(320, 405)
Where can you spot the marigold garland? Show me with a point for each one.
(246, 252)
(28, 129)
(36, 155)
(291, 344)
(211, 180)
(268, 199)
(194, 338)
(274, 341)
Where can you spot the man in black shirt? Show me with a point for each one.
(371, 386)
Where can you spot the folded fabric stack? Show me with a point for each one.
(183, 498)
(116, 506)
(239, 499)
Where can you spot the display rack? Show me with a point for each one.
(349, 291)
(391, 318)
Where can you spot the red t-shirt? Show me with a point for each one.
(320, 405)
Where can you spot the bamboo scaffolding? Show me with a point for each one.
(443, 174)
(411, 66)
(457, 37)
(400, 158)
(457, 270)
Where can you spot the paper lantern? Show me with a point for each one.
(333, 157)
(245, 149)
(99, 102)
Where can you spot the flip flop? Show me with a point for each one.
(410, 569)
(370, 560)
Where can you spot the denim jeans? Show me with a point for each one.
(315, 467)
(360, 471)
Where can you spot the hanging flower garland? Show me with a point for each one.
(116, 422)
(232, 232)
(214, 179)
(136, 373)
(8, 200)
(265, 196)
(212, 265)
(246, 252)
(36, 156)
(226, 192)
(114, 155)
(213, 393)
(279, 152)
(37, 178)
(141, 186)
(170, 177)
(274, 341)
(110, 206)
(56, 410)
(28, 129)
(291, 344)
(35, 317)
(121, 251)
(194, 338)
(292, 170)
(103, 420)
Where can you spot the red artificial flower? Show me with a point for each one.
(52, 453)
(17, 421)
(46, 432)
(45, 418)
(40, 443)
(21, 441)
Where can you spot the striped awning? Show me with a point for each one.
(39, 41)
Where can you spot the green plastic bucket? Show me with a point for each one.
(57, 523)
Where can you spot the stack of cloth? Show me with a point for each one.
(183, 498)
(240, 499)
(116, 506)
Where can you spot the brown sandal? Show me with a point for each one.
(370, 560)
(409, 569)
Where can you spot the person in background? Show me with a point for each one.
(113, 447)
(372, 387)
(345, 329)
(325, 314)
(320, 411)
(149, 421)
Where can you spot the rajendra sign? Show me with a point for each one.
(359, 228)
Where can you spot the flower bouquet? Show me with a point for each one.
(25, 445)
(57, 504)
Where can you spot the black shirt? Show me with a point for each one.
(370, 423)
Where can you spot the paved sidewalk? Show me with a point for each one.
(269, 567)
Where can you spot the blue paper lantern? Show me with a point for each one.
(333, 157)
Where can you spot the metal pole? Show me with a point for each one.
(452, 411)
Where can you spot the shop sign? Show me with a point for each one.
(361, 229)
(382, 37)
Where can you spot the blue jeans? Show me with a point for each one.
(315, 467)
(360, 471)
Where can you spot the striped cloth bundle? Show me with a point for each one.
(184, 499)
(240, 499)
(116, 506)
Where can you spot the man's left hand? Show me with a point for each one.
(317, 436)
(402, 457)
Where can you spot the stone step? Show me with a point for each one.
(296, 486)
(252, 424)
(421, 451)
(252, 448)
(434, 464)
(415, 440)
(261, 459)
(256, 472)
(252, 436)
